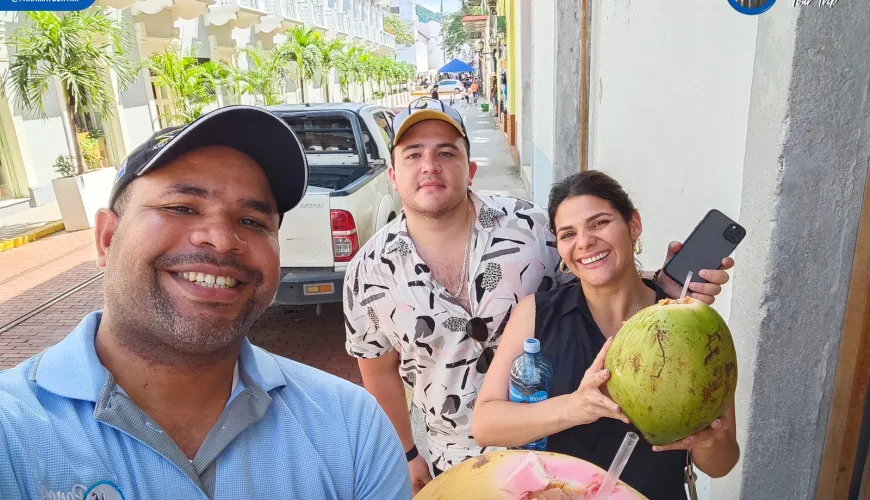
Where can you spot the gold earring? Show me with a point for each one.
(638, 246)
(563, 267)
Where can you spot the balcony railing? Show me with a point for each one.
(341, 16)
(389, 40)
(288, 9)
(250, 4)
(317, 7)
(303, 9)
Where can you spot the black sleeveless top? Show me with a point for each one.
(570, 339)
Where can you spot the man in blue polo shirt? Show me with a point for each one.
(160, 394)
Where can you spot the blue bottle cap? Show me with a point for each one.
(532, 346)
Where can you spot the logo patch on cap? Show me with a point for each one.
(162, 139)
(122, 170)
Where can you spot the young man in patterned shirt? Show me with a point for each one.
(428, 297)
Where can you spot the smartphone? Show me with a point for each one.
(713, 239)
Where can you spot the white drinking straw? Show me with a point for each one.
(616, 467)
(686, 286)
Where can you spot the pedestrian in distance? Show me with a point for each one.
(160, 394)
(427, 299)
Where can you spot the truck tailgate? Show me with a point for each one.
(306, 232)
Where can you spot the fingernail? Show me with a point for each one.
(702, 274)
(615, 409)
(716, 424)
(656, 448)
(605, 373)
(687, 441)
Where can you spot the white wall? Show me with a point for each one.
(543, 68)
(666, 121)
(435, 54)
(47, 141)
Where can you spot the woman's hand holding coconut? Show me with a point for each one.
(713, 448)
(588, 403)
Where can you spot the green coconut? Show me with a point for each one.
(673, 369)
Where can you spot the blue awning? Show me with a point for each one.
(456, 66)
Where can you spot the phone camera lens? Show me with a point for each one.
(732, 234)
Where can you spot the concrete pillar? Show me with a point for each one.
(567, 90)
(806, 163)
(526, 47)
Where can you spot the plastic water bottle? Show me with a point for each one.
(530, 377)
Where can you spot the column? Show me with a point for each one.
(805, 167)
(566, 116)
(14, 153)
(526, 97)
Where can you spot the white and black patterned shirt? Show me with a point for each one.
(391, 301)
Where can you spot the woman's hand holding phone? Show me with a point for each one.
(705, 292)
(588, 403)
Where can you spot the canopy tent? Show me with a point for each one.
(456, 66)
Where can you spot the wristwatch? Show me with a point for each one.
(412, 453)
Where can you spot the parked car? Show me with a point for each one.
(349, 196)
(447, 86)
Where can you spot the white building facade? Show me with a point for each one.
(427, 52)
(30, 144)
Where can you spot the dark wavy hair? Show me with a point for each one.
(594, 183)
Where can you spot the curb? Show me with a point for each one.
(31, 236)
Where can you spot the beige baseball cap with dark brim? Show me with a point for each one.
(409, 117)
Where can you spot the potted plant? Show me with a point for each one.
(80, 196)
(78, 49)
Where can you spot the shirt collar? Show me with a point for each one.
(487, 213)
(71, 368)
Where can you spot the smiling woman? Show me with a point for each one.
(597, 229)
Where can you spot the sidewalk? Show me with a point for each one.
(29, 225)
(496, 171)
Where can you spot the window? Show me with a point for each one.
(324, 135)
(385, 123)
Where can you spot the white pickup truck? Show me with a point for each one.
(349, 196)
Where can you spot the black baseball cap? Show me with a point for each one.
(260, 134)
(426, 108)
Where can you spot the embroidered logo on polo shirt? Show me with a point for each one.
(104, 490)
(77, 492)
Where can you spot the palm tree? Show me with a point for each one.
(330, 53)
(344, 66)
(192, 86)
(301, 47)
(77, 48)
(265, 80)
(366, 71)
(350, 68)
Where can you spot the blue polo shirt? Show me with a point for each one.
(289, 431)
